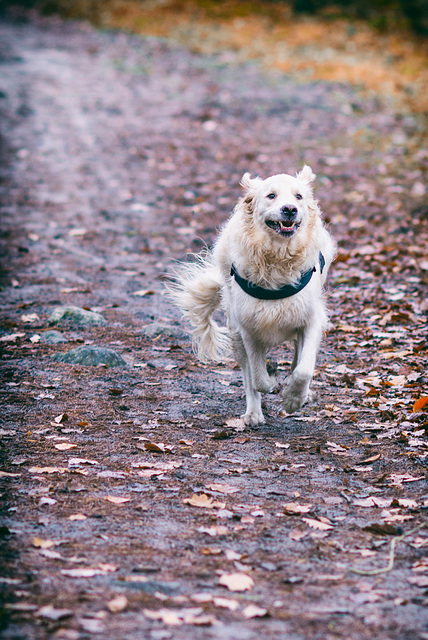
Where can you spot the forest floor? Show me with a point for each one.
(135, 502)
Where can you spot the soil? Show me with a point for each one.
(135, 502)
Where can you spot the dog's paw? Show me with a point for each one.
(266, 385)
(253, 418)
(296, 392)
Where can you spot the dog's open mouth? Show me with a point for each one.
(283, 227)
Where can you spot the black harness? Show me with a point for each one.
(276, 294)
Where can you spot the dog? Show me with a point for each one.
(266, 270)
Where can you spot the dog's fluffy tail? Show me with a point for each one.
(196, 291)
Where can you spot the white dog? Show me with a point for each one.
(267, 271)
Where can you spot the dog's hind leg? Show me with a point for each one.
(253, 414)
(296, 390)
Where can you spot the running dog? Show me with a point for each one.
(266, 270)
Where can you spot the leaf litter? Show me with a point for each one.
(163, 482)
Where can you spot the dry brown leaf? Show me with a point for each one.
(117, 499)
(281, 445)
(63, 417)
(317, 524)
(47, 470)
(236, 581)
(46, 544)
(371, 459)
(222, 488)
(82, 572)
(75, 462)
(200, 500)
(253, 611)
(53, 614)
(215, 530)
(292, 508)
(226, 603)
(64, 446)
(5, 474)
(143, 292)
(159, 447)
(373, 501)
(118, 604)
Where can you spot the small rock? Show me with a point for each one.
(75, 316)
(168, 331)
(52, 337)
(91, 356)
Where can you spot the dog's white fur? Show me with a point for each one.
(270, 259)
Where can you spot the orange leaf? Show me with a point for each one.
(419, 404)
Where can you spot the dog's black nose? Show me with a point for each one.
(289, 210)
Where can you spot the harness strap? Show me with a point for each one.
(276, 294)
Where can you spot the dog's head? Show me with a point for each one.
(281, 204)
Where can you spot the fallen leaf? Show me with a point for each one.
(226, 603)
(117, 499)
(82, 573)
(47, 470)
(64, 446)
(12, 337)
(373, 501)
(160, 447)
(77, 516)
(75, 462)
(215, 530)
(292, 508)
(53, 614)
(29, 317)
(143, 292)
(236, 581)
(253, 611)
(200, 500)
(236, 423)
(223, 488)
(317, 524)
(419, 404)
(281, 445)
(117, 605)
(371, 459)
(210, 551)
(419, 581)
(63, 417)
(39, 543)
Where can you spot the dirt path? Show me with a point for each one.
(131, 493)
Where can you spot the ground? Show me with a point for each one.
(135, 503)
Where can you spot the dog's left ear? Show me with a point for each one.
(248, 183)
(306, 174)
(250, 186)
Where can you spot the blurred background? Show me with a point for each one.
(379, 45)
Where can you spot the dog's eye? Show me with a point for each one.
(271, 196)
(299, 196)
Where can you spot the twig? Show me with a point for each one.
(390, 565)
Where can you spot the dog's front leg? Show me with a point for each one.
(296, 390)
(256, 353)
(253, 414)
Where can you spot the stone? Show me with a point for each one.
(75, 316)
(166, 330)
(52, 337)
(91, 356)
